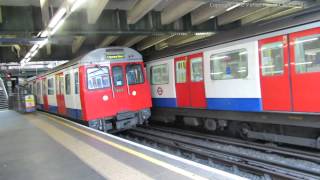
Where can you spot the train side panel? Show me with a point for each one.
(72, 95)
(161, 78)
(232, 78)
(50, 93)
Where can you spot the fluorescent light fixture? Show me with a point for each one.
(70, 1)
(34, 47)
(303, 63)
(306, 40)
(234, 6)
(219, 57)
(42, 43)
(44, 34)
(77, 4)
(27, 55)
(243, 53)
(212, 17)
(57, 17)
(55, 29)
(34, 53)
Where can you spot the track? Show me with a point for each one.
(250, 158)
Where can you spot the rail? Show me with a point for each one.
(249, 158)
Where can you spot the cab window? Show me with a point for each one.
(117, 76)
(134, 74)
(98, 78)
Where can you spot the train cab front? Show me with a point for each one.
(117, 93)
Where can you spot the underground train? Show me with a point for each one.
(265, 86)
(106, 89)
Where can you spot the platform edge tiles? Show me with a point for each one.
(178, 165)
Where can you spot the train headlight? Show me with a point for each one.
(134, 93)
(105, 98)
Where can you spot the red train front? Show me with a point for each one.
(107, 89)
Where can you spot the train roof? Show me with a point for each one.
(102, 55)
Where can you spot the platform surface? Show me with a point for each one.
(41, 146)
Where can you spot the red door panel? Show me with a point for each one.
(60, 94)
(274, 74)
(138, 86)
(44, 94)
(182, 85)
(189, 81)
(305, 70)
(197, 91)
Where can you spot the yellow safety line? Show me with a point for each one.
(133, 152)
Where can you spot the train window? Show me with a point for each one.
(38, 88)
(196, 69)
(44, 89)
(50, 87)
(159, 74)
(76, 83)
(67, 83)
(307, 54)
(98, 78)
(61, 85)
(272, 61)
(229, 65)
(134, 74)
(117, 73)
(181, 71)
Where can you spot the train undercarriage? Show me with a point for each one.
(121, 121)
(278, 127)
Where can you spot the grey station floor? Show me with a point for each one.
(42, 146)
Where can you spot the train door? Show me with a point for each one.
(137, 86)
(305, 70)
(120, 86)
(60, 94)
(274, 74)
(189, 81)
(44, 95)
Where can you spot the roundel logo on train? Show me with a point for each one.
(159, 91)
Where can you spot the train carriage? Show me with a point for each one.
(106, 89)
(263, 86)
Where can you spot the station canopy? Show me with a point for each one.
(45, 31)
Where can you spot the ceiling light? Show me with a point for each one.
(34, 47)
(77, 4)
(44, 34)
(42, 43)
(27, 55)
(57, 17)
(55, 29)
(34, 53)
(38, 34)
(234, 6)
(212, 17)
